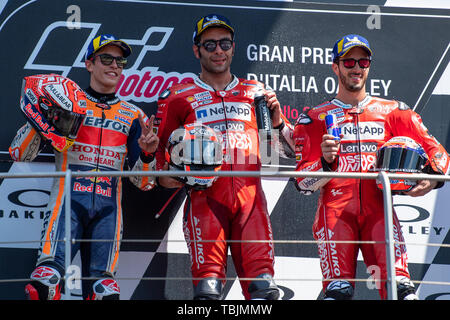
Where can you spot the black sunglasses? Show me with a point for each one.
(211, 45)
(107, 59)
(351, 63)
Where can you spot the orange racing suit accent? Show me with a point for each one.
(106, 139)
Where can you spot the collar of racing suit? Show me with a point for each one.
(360, 105)
(234, 82)
(108, 98)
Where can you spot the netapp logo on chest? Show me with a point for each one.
(365, 131)
(227, 110)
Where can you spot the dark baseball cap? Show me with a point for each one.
(211, 20)
(105, 39)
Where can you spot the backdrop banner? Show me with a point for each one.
(286, 45)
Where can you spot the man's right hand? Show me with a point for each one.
(330, 148)
(169, 182)
(148, 141)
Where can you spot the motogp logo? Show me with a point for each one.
(139, 85)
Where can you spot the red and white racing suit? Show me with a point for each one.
(352, 209)
(107, 137)
(233, 208)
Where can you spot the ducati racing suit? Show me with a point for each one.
(352, 209)
(233, 208)
(108, 135)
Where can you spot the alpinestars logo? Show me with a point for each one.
(138, 85)
(198, 244)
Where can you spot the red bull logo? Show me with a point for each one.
(107, 180)
(90, 188)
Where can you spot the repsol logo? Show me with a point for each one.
(364, 131)
(106, 124)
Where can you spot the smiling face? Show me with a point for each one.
(218, 61)
(353, 79)
(104, 79)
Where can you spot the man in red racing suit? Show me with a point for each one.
(111, 135)
(352, 209)
(233, 208)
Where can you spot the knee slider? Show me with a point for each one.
(106, 289)
(264, 289)
(406, 289)
(45, 284)
(208, 289)
(339, 290)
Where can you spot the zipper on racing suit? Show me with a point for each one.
(227, 139)
(104, 106)
(355, 112)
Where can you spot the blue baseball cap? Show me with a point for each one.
(99, 42)
(343, 45)
(211, 20)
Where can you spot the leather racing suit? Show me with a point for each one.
(233, 208)
(352, 209)
(107, 136)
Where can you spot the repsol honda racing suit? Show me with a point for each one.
(107, 136)
(233, 208)
(352, 209)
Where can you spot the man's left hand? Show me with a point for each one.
(274, 106)
(422, 188)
